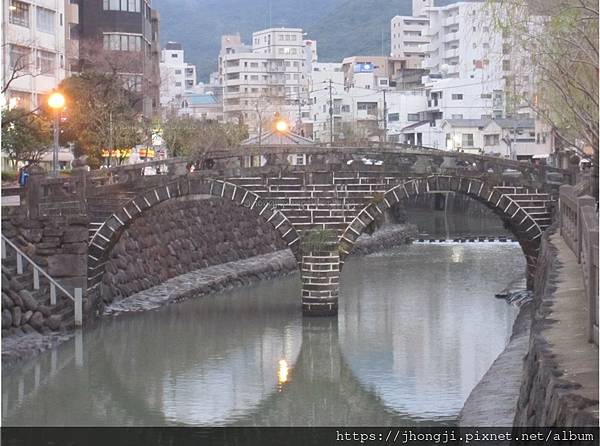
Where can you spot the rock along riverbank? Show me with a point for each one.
(205, 281)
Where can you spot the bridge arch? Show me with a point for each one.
(109, 233)
(505, 201)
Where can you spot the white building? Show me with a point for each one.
(269, 77)
(410, 33)
(358, 110)
(37, 46)
(450, 40)
(176, 75)
(519, 138)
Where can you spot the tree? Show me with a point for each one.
(20, 64)
(27, 137)
(101, 115)
(186, 136)
(561, 39)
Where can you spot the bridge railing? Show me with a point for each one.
(579, 229)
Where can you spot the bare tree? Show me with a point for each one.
(560, 38)
(20, 64)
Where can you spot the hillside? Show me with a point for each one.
(341, 27)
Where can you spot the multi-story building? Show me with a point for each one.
(269, 77)
(176, 75)
(34, 44)
(122, 35)
(410, 33)
(358, 112)
(472, 72)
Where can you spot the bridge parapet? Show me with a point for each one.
(579, 229)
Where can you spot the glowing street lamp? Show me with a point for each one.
(281, 126)
(56, 101)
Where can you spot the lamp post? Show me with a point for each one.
(56, 101)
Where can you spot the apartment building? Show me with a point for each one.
(270, 76)
(357, 112)
(176, 75)
(36, 40)
(409, 34)
(123, 35)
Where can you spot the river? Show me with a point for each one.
(418, 327)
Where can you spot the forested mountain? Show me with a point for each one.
(341, 27)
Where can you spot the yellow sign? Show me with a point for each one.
(116, 153)
(147, 153)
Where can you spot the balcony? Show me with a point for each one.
(451, 53)
(451, 37)
(449, 21)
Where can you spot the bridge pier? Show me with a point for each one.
(320, 281)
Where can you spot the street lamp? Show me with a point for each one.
(281, 126)
(56, 101)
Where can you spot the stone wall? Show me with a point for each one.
(560, 376)
(182, 235)
(58, 244)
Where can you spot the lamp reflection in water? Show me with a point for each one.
(282, 374)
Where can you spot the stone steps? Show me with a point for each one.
(29, 310)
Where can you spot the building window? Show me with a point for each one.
(392, 117)
(413, 117)
(122, 42)
(457, 96)
(45, 20)
(467, 140)
(46, 62)
(457, 116)
(370, 107)
(177, 71)
(178, 84)
(491, 140)
(133, 82)
(19, 13)
(122, 5)
(345, 109)
(19, 57)
(486, 96)
(506, 65)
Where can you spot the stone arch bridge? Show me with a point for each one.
(319, 199)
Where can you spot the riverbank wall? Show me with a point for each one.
(560, 373)
(548, 373)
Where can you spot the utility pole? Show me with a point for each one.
(384, 118)
(110, 137)
(330, 114)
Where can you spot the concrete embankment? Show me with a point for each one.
(548, 373)
(494, 399)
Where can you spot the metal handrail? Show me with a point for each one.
(77, 298)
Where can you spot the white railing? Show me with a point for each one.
(76, 297)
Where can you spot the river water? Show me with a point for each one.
(417, 329)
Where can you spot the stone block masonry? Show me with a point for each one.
(560, 379)
(183, 235)
(320, 282)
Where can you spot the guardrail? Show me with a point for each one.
(579, 229)
(76, 297)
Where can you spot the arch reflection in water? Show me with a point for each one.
(425, 336)
(416, 332)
